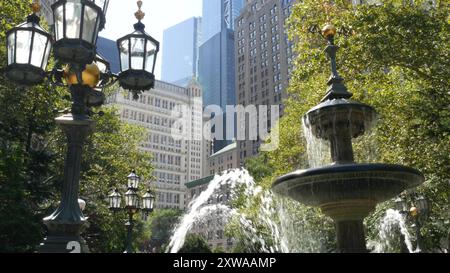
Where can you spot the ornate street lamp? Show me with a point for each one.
(132, 205)
(28, 48)
(418, 212)
(138, 52)
(85, 73)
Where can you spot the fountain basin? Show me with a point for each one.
(341, 114)
(340, 187)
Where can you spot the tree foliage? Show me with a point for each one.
(195, 244)
(159, 228)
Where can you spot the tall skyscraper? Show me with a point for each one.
(216, 60)
(263, 63)
(218, 15)
(180, 51)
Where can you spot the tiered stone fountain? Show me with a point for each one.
(346, 191)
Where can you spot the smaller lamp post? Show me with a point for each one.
(132, 205)
(417, 213)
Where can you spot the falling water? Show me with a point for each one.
(198, 208)
(388, 237)
(276, 229)
(297, 234)
(266, 220)
(318, 149)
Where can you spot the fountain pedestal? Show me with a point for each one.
(348, 217)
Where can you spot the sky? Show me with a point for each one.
(159, 15)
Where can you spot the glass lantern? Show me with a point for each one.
(131, 199)
(400, 204)
(138, 52)
(76, 27)
(133, 181)
(114, 200)
(148, 201)
(422, 205)
(28, 47)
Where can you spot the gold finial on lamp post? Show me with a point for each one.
(139, 14)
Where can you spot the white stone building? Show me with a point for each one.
(173, 117)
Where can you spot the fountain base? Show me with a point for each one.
(348, 193)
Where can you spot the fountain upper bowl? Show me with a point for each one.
(325, 118)
(337, 183)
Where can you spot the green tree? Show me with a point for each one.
(259, 166)
(195, 244)
(159, 229)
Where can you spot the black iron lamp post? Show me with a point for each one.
(417, 213)
(85, 73)
(132, 205)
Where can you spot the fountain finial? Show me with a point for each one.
(336, 89)
(329, 30)
(35, 6)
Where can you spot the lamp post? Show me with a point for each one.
(418, 212)
(85, 73)
(132, 205)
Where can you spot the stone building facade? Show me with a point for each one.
(172, 116)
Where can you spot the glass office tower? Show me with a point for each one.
(180, 52)
(216, 59)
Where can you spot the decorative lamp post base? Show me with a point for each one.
(64, 238)
(67, 222)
